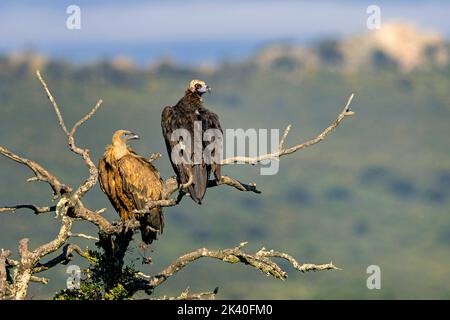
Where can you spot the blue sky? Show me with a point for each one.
(226, 28)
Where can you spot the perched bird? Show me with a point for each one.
(183, 115)
(130, 181)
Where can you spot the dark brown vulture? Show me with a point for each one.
(183, 115)
(130, 181)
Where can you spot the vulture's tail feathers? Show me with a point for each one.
(198, 189)
(151, 225)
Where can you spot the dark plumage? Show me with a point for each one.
(130, 181)
(183, 116)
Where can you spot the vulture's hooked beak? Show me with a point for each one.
(205, 89)
(132, 136)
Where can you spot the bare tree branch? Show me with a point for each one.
(58, 242)
(305, 267)
(65, 257)
(37, 210)
(24, 273)
(259, 260)
(283, 138)
(30, 258)
(157, 203)
(83, 120)
(227, 180)
(83, 236)
(11, 262)
(54, 104)
(39, 280)
(94, 217)
(171, 186)
(93, 173)
(5, 289)
(41, 173)
(286, 151)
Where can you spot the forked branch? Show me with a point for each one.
(37, 210)
(41, 174)
(261, 260)
(282, 151)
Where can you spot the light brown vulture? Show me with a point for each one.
(130, 181)
(183, 115)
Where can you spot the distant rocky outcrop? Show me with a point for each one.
(27, 61)
(396, 45)
(123, 63)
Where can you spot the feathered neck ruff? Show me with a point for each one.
(191, 101)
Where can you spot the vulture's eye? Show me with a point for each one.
(198, 86)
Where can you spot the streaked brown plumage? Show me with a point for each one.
(183, 116)
(130, 181)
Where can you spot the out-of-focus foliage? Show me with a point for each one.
(94, 279)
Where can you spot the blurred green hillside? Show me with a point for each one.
(376, 191)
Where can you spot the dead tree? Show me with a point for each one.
(114, 237)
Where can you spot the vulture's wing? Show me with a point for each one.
(103, 175)
(210, 120)
(169, 125)
(142, 183)
(106, 177)
(171, 121)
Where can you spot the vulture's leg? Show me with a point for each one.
(186, 185)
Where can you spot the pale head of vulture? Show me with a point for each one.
(119, 142)
(199, 87)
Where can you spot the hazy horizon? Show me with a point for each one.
(194, 31)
